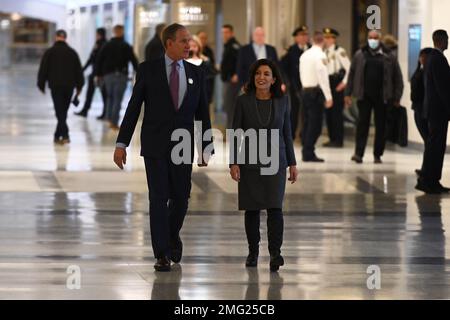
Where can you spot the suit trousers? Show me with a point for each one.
(275, 228)
(90, 95)
(313, 105)
(294, 96)
(362, 129)
(116, 84)
(230, 93)
(61, 97)
(334, 115)
(435, 146)
(421, 124)
(169, 190)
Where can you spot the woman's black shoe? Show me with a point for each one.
(276, 263)
(252, 260)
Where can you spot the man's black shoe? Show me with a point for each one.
(443, 189)
(418, 172)
(252, 260)
(162, 265)
(357, 159)
(81, 113)
(377, 160)
(428, 189)
(176, 251)
(313, 159)
(276, 262)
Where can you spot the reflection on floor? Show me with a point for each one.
(68, 206)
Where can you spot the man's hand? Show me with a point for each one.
(341, 86)
(120, 157)
(235, 172)
(348, 101)
(329, 104)
(234, 79)
(293, 174)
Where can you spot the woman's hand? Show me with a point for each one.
(293, 174)
(235, 172)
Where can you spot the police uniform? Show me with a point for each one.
(316, 89)
(227, 71)
(290, 66)
(338, 70)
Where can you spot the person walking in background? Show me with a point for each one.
(263, 106)
(154, 48)
(208, 52)
(290, 64)
(338, 70)
(112, 68)
(252, 52)
(436, 110)
(174, 94)
(376, 81)
(228, 71)
(199, 59)
(61, 68)
(316, 94)
(99, 43)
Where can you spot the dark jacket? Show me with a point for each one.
(392, 76)
(61, 67)
(94, 54)
(437, 90)
(229, 59)
(154, 49)
(290, 64)
(247, 57)
(417, 90)
(114, 57)
(207, 51)
(160, 117)
(245, 118)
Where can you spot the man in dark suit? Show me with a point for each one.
(174, 94)
(154, 48)
(252, 52)
(437, 112)
(290, 65)
(61, 68)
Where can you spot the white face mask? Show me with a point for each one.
(374, 43)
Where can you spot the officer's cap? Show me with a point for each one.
(330, 32)
(301, 29)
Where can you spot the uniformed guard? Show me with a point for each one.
(290, 66)
(338, 70)
(316, 93)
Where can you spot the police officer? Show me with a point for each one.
(228, 71)
(316, 93)
(338, 70)
(290, 65)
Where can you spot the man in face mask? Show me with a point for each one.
(376, 81)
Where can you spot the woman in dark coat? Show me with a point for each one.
(263, 108)
(418, 96)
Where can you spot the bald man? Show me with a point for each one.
(252, 52)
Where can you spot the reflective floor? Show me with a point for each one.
(64, 207)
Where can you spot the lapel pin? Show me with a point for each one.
(190, 81)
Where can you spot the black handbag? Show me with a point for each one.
(397, 126)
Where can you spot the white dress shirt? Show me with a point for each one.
(314, 71)
(260, 51)
(337, 60)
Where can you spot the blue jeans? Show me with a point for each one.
(115, 84)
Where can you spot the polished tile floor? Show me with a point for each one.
(66, 206)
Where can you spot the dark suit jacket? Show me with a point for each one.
(437, 86)
(245, 118)
(290, 64)
(160, 117)
(247, 57)
(154, 49)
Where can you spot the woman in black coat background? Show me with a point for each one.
(264, 108)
